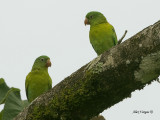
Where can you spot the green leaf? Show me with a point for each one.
(3, 90)
(25, 103)
(11, 98)
(1, 115)
(13, 104)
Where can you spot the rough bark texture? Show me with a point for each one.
(105, 81)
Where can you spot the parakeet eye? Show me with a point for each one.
(42, 59)
(91, 16)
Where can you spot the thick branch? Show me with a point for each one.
(103, 82)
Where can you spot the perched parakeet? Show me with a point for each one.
(38, 80)
(102, 34)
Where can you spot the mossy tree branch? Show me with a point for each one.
(105, 81)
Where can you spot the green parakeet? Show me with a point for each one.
(102, 34)
(38, 80)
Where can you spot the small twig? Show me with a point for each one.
(120, 40)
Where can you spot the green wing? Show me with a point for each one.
(114, 36)
(27, 83)
(102, 37)
(37, 82)
(50, 83)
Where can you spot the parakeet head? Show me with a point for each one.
(42, 62)
(94, 18)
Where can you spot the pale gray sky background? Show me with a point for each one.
(30, 28)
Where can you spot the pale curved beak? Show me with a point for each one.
(86, 22)
(48, 64)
